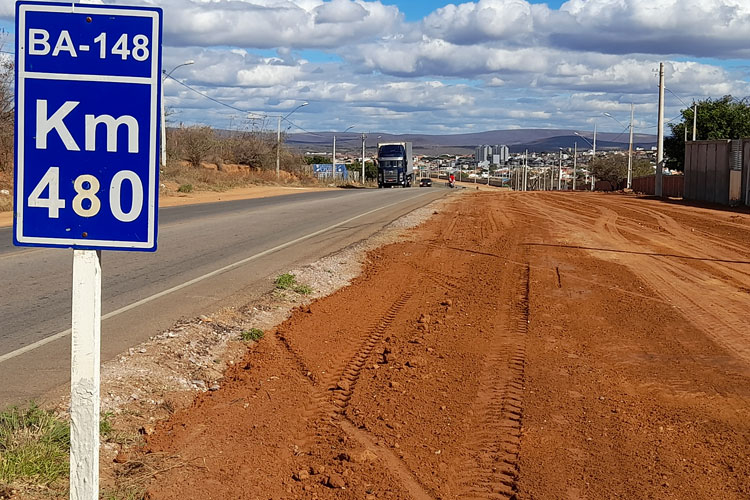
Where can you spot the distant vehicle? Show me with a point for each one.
(425, 182)
(395, 164)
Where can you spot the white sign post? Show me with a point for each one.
(88, 80)
(84, 375)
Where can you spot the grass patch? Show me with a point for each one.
(288, 281)
(303, 289)
(105, 424)
(254, 334)
(285, 281)
(185, 188)
(34, 446)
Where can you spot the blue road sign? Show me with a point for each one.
(88, 95)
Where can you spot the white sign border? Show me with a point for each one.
(154, 81)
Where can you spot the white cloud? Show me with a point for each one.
(472, 65)
(275, 23)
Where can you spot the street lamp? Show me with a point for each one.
(593, 153)
(278, 134)
(630, 147)
(333, 154)
(163, 113)
(364, 137)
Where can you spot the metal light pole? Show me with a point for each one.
(333, 154)
(695, 120)
(593, 153)
(363, 158)
(630, 147)
(575, 163)
(164, 114)
(278, 136)
(593, 159)
(660, 135)
(630, 150)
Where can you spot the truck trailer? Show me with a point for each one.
(395, 164)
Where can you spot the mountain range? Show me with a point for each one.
(518, 140)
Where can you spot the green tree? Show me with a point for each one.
(316, 160)
(724, 118)
(613, 168)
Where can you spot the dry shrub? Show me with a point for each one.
(6, 115)
(220, 161)
(210, 178)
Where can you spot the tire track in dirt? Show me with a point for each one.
(491, 469)
(683, 283)
(330, 400)
(342, 392)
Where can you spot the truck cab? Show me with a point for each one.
(395, 165)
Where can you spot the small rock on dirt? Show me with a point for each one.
(120, 458)
(301, 475)
(317, 469)
(416, 362)
(147, 430)
(424, 319)
(335, 481)
(368, 456)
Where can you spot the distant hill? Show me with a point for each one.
(537, 140)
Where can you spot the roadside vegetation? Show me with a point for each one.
(251, 335)
(288, 281)
(724, 118)
(6, 134)
(35, 452)
(34, 448)
(614, 168)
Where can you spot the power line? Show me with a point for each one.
(260, 115)
(211, 98)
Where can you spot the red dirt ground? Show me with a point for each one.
(522, 345)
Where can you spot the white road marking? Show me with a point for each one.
(65, 333)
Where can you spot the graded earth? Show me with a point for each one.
(516, 345)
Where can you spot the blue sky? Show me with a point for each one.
(409, 66)
(417, 9)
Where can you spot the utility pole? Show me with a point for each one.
(278, 146)
(575, 163)
(660, 134)
(526, 170)
(559, 173)
(593, 159)
(695, 120)
(363, 158)
(333, 159)
(630, 150)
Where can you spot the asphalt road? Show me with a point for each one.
(208, 256)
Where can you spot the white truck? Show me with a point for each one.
(395, 164)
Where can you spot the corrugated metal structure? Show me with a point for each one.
(672, 185)
(717, 171)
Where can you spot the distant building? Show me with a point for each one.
(482, 153)
(502, 151)
(496, 155)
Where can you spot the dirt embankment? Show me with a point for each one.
(528, 345)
